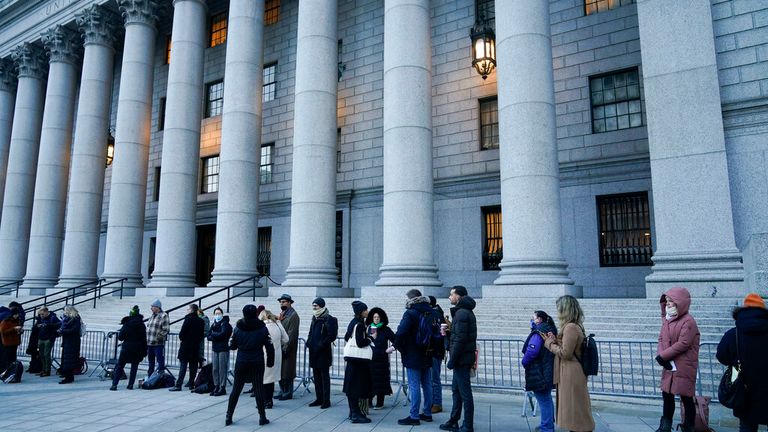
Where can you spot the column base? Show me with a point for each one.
(223, 278)
(129, 286)
(533, 273)
(174, 284)
(408, 276)
(296, 277)
(714, 274)
(376, 291)
(38, 285)
(310, 291)
(73, 281)
(531, 290)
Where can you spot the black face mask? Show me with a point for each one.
(283, 307)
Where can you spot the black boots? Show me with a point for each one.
(263, 420)
(228, 420)
(214, 391)
(685, 427)
(665, 425)
(355, 414)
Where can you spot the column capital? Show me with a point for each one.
(63, 44)
(30, 60)
(141, 11)
(99, 25)
(7, 75)
(202, 2)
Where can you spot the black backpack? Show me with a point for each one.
(161, 378)
(13, 374)
(428, 332)
(590, 360)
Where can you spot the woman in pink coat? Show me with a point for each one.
(678, 354)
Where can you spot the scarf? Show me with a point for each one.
(410, 302)
(671, 312)
(377, 325)
(319, 312)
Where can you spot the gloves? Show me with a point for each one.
(450, 364)
(664, 363)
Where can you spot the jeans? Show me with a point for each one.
(437, 387)
(183, 372)
(322, 378)
(462, 395)
(45, 346)
(247, 371)
(119, 370)
(155, 351)
(546, 411)
(420, 380)
(220, 368)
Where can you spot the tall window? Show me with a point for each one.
(156, 190)
(486, 8)
(489, 123)
(492, 242)
(264, 254)
(267, 162)
(338, 149)
(595, 6)
(269, 88)
(210, 177)
(218, 29)
(625, 230)
(214, 98)
(615, 101)
(271, 11)
(168, 49)
(151, 262)
(339, 244)
(161, 114)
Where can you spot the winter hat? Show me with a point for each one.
(319, 301)
(754, 300)
(260, 309)
(358, 307)
(286, 297)
(432, 301)
(157, 304)
(250, 311)
(134, 310)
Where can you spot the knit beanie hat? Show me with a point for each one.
(754, 300)
(358, 307)
(250, 311)
(260, 309)
(319, 301)
(157, 304)
(134, 310)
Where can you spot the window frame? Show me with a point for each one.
(212, 110)
(264, 258)
(480, 103)
(161, 113)
(644, 227)
(490, 263)
(270, 17)
(168, 46)
(270, 167)
(269, 88)
(208, 187)
(218, 35)
(486, 5)
(616, 102)
(596, 5)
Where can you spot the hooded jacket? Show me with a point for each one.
(133, 333)
(463, 341)
(679, 342)
(48, 326)
(251, 339)
(537, 360)
(413, 355)
(752, 325)
(219, 334)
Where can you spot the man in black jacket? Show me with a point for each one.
(462, 351)
(191, 334)
(322, 334)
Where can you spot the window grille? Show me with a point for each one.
(492, 238)
(625, 230)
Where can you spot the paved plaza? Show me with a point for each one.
(88, 405)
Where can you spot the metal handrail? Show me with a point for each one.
(230, 296)
(96, 291)
(44, 298)
(16, 282)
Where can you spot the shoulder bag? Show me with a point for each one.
(351, 350)
(732, 391)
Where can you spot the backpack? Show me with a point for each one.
(701, 419)
(590, 360)
(428, 332)
(13, 374)
(161, 378)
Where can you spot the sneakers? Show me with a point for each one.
(174, 389)
(359, 419)
(437, 409)
(130, 387)
(325, 405)
(408, 421)
(424, 417)
(449, 426)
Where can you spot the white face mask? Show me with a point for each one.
(671, 310)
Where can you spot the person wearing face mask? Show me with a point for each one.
(678, 354)
(539, 368)
(219, 335)
(291, 323)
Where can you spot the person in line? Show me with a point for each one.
(382, 335)
(462, 346)
(574, 408)
(438, 357)
(48, 326)
(752, 338)
(70, 344)
(10, 336)
(221, 331)
(678, 354)
(539, 367)
(158, 327)
(14, 308)
(357, 375)
(322, 334)
(291, 323)
(191, 333)
(206, 331)
(279, 339)
(416, 358)
(133, 333)
(251, 340)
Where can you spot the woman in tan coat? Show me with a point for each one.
(574, 409)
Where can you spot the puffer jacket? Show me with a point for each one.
(538, 361)
(463, 341)
(679, 343)
(251, 340)
(413, 355)
(219, 335)
(133, 333)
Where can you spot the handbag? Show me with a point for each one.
(351, 350)
(732, 391)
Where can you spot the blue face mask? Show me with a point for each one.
(218, 318)
(533, 324)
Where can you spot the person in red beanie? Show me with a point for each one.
(751, 334)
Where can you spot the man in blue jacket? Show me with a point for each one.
(416, 358)
(47, 323)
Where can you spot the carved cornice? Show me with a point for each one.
(99, 25)
(30, 60)
(7, 75)
(62, 44)
(142, 11)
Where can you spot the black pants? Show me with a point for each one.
(286, 387)
(379, 400)
(462, 395)
(322, 377)
(183, 372)
(248, 371)
(269, 392)
(119, 370)
(10, 355)
(669, 408)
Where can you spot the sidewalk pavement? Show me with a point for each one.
(87, 405)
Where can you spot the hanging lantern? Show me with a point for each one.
(110, 148)
(483, 47)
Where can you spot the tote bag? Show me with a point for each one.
(351, 350)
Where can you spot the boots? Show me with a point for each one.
(228, 419)
(221, 391)
(665, 425)
(214, 391)
(685, 427)
(263, 420)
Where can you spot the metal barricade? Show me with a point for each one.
(91, 347)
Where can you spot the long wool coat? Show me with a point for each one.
(291, 323)
(70, 343)
(279, 340)
(574, 409)
(679, 342)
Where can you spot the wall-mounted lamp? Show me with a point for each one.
(483, 47)
(110, 146)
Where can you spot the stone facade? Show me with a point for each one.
(465, 178)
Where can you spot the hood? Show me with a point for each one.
(466, 302)
(546, 327)
(751, 320)
(132, 320)
(250, 324)
(421, 307)
(410, 303)
(382, 315)
(680, 296)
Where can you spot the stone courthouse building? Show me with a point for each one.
(351, 147)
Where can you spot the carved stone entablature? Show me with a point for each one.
(99, 25)
(7, 75)
(62, 44)
(30, 60)
(142, 11)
